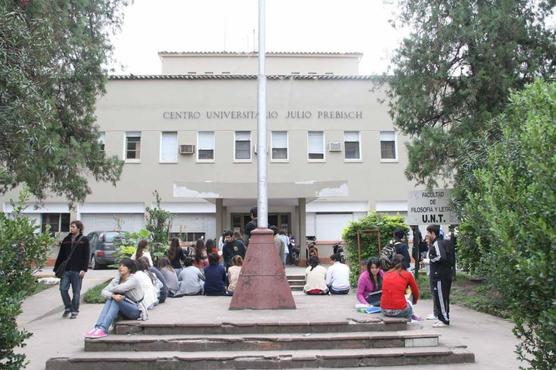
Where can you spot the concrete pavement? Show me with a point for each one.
(490, 338)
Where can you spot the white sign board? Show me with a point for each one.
(430, 207)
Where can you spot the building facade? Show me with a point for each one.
(190, 134)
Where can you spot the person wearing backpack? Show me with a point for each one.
(71, 265)
(442, 265)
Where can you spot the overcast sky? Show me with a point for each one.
(151, 26)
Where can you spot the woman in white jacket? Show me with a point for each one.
(148, 282)
(315, 278)
(124, 297)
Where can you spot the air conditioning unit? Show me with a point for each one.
(187, 149)
(334, 147)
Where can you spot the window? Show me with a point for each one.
(315, 147)
(388, 150)
(352, 145)
(169, 147)
(205, 143)
(188, 237)
(279, 144)
(133, 146)
(58, 222)
(242, 146)
(102, 140)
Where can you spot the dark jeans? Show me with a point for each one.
(334, 291)
(71, 277)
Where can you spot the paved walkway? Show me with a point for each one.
(488, 337)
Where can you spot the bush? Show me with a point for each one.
(21, 250)
(516, 200)
(367, 227)
(127, 244)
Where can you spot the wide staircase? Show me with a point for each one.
(296, 281)
(363, 341)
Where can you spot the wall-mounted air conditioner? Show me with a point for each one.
(187, 149)
(334, 147)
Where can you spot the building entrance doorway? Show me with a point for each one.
(280, 220)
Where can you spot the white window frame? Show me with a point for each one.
(126, 136)
(287, 147)
(395, 146)
(360, 147)
(213, 147)
(323, 147)
(250, 147)
(160, 151)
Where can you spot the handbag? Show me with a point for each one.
(59, 273)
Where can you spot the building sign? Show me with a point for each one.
(251, 114)
(430, 207)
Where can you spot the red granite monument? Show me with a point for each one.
(262, 283)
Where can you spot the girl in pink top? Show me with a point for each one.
(370, 281)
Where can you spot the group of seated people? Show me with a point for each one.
(139, 286)
(375, 287)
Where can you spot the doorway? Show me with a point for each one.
(280, 220)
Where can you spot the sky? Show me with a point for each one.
(151, 26)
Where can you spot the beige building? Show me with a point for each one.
(190, 134)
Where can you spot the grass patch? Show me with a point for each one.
(93, 295)
(471, 293)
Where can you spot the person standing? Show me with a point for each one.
(75, 249)
(251, 225)
(442, 264)
(278, 243)
(285, 238)
(401, 247)
(231, 248)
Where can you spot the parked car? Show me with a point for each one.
(102, 248)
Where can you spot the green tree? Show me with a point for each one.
(452, 75)
(516, 200)
(52, 67)
(21, 250)
(159, 222)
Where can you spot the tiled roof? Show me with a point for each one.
(253, 53)
(243, 77)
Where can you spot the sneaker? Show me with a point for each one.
(439, 324)
(90, 333)
(416, 318)
(98, 333)
(431, 317)
(65, 314)
(73, 315)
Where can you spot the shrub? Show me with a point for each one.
(21, 250)
(516, 200)
(127, 244)
(159, 222)
(367, 226)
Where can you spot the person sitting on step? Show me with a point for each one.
(369, 285)
(215, 277)
(394, 285)
(233, 273)
(124, 297)
(315, 278)
(191, 279)
(337, 276)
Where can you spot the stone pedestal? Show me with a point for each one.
(262, 282)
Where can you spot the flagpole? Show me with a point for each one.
(262, 199)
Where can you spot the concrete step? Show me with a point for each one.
(296, 283)
(295, 277)
(263, 342)
(336, 358)
(152, 327)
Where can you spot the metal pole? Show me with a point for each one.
(262, 200)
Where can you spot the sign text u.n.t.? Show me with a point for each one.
(251, 114)
(430, 207)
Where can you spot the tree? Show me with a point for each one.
(516, 201)
(53, 57)
(453, 75)
(21, 250)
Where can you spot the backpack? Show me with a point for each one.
(386, 256)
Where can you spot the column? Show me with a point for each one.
(219, 217)
(302, 208)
